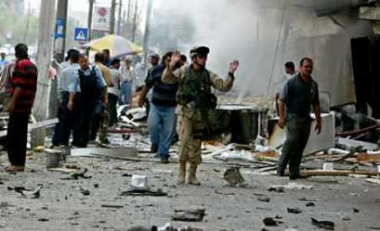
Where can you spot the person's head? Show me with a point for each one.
(74, 56)
(128, 63)
(21, 51)
(83, 62)
(290, 68)
(306, 66)
(115, 63)
(154, 59)
(68, 54)
(167, 58)
(199, 55)
(183, 60)
(106, 53)
(2, 55)
(99, 57)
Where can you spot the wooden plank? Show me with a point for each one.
(337, 173)
(365, 158)
(34, 126)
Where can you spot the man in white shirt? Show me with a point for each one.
(128, 76)
(113, 92)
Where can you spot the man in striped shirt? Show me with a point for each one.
(23, 91)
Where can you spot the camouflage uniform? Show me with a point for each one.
(191, 119)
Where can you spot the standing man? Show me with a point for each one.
(107, 58)
(23, 91)
(89, 81)
(66, 117)
(195, 100)
(297, 96)
(3, 60)
(101, 117)
(128, 76)
(113, 92)
(162, 118)
(290, 71)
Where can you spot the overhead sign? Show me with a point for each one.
(81, 34)
(59, 26)
(101, 18)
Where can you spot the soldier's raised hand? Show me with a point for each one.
(234, 66)
(176, 56)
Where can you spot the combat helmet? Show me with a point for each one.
(201, 50)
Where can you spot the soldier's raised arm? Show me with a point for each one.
(227, 83)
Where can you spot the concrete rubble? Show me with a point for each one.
(93, 186)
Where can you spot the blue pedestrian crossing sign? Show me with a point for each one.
(81, 34)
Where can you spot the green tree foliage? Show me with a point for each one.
(17, 28)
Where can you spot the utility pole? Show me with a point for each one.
(113, 13)
(119, 17)
(44, 52)
(60, 41)
(89, 19)
(59, 53)
(134, 22)
(147, 30)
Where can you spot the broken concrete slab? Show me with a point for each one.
(351, 144)
(116, 153)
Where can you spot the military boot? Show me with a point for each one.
(182, 173)
(193, 175)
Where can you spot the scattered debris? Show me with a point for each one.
(264, 199)
(225, 193)
(29, 193)
(43, 220)
(269, 221)
(135, 192)
(276, 189)
(291, 185)
(85, 192)
(112, 206)
(346, 218)
(233, 176)
(374, 181)
(328, 225)
(77, 175)
(190, 215)
(139, 182)
(294, 210)
(310, 204)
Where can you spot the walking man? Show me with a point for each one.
(23, 91)
(128, 76)
(195, 100)
(162, 118)
(296, 98)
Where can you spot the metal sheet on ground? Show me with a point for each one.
(117, 153)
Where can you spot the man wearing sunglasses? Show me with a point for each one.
(195, 100)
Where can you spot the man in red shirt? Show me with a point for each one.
(23, 91)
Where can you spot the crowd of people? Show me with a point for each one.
(180, 105)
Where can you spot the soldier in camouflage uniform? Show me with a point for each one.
(194, 100)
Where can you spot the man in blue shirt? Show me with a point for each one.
(66, 117)
(89, 81)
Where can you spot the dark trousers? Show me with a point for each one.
(63, 128)
(17, 139)
(87, 111)
(96, 118)
(297, 135)
(112, 101)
